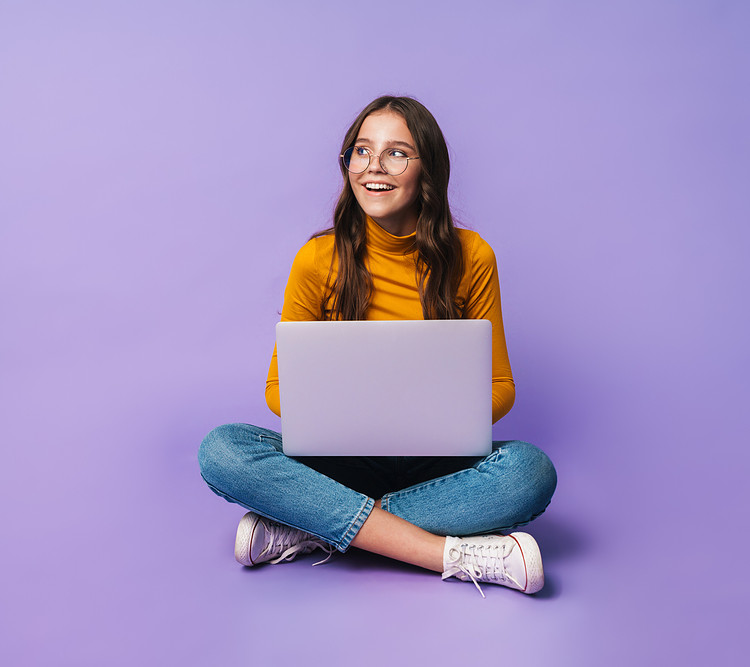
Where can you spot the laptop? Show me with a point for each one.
(386, 388)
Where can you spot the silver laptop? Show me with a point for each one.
(386, 388)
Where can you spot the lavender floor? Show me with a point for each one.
(116, 553)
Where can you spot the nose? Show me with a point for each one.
(375, 159)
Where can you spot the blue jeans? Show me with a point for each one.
(330, 497)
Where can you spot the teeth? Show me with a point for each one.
(378, 186)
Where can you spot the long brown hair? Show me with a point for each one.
(439, 260)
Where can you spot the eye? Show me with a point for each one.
(395, 152)
(361, 150)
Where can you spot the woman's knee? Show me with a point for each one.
(224, 446)
(536, 477)
(214, 450)
(231, 447)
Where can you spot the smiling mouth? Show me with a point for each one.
(378, 187)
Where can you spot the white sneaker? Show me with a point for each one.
(260, 540)
(509, 560)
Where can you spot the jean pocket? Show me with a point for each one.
(272, 439)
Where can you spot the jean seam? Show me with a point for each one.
(385, 502)
(341, 545)
(489, 459)
(356, 524)
(265, 440)
(432, 482)
(232, 499)
(513, 526)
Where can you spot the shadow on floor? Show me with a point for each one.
(558, 539)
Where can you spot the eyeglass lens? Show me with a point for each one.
(392, 161)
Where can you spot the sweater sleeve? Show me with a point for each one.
(483, 303)
(302, 302)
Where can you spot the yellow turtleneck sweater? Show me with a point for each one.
(395, 296)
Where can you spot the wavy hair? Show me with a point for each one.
(439, 259)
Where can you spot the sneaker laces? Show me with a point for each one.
(285, 541)
(479, 562)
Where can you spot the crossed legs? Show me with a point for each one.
(245, 464)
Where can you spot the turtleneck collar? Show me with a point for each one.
(379, 239)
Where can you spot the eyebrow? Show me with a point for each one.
(387, 143)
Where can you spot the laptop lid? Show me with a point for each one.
(386, 388)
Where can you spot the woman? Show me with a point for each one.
(392, 253)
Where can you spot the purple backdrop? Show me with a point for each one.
(161, 163)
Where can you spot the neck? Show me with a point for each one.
(401, 226)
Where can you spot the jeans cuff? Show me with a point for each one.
(385, 501)
(355, 525)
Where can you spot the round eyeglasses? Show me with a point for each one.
(393, 161)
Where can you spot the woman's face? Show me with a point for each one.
(395, 207)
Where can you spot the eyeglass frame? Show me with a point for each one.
(370, 155)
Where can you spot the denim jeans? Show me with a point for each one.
(331, 497)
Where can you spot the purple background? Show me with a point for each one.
(161, 163)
